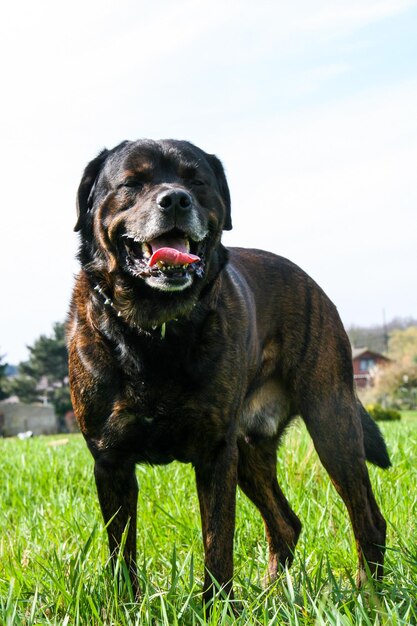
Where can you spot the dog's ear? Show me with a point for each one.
(224, 189)
(86, 187)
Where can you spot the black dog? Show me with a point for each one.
(182, 349)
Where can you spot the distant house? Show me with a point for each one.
(365, 365)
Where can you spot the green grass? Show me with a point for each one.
(409, 414)
(53, 548)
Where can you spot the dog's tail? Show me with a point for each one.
(375, 448)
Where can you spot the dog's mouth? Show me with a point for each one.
(173, 256)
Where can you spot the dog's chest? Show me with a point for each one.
(170, 405)
(161, 425)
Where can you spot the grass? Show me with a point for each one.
(53, 548)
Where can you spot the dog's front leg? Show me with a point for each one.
(216, 485)
(117, 490)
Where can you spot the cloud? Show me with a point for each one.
(235, 77)
(336, 187)
(334, 17)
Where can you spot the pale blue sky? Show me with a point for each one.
(311, 105)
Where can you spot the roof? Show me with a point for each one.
(357, 352)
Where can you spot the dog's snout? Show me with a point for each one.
(174, 200)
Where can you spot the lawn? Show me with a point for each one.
(53, 548)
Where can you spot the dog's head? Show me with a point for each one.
(152, 213)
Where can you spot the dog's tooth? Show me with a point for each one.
(146, 250)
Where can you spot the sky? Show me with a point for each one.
(311, 105)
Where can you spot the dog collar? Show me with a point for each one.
(109, 302)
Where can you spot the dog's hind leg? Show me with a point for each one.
(257, 479)
(338, 437)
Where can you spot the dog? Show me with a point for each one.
(180, 348)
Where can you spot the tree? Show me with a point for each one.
(3, 368)
(376, 337)
(396, 384)
(48, 357)
(403, 345)
(44, 377)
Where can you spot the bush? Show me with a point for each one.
(379, 414)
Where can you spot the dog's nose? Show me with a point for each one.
(177, 200)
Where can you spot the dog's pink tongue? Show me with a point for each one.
(171, 256)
